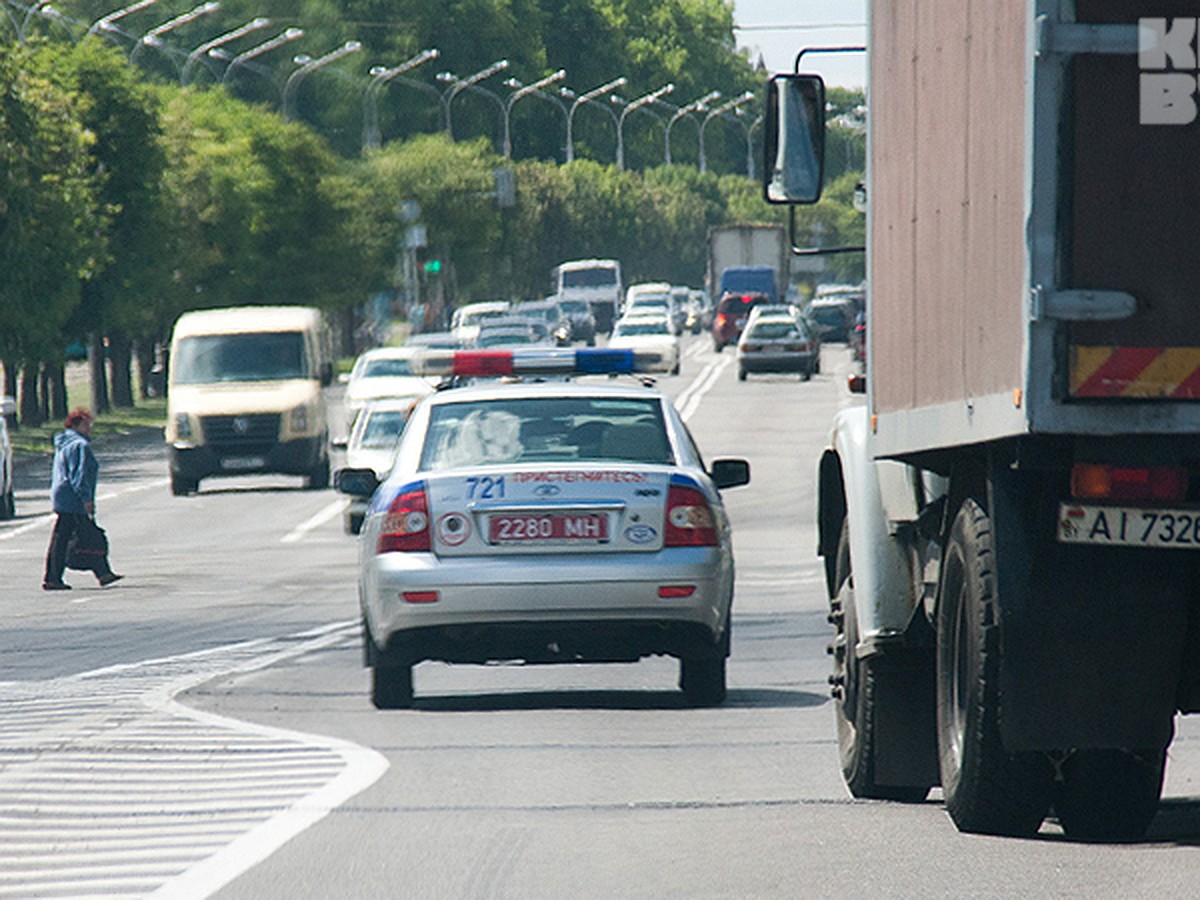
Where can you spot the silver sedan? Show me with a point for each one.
(546, 523)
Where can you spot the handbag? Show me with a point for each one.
(88, 546)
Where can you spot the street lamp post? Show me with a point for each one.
(107, 23)
(549, 98)
(737, 101)
(644, 100)
(228, 37)
(284, 37)
(38, 7)
(587, 98)
(516, 95)
(153, 37)
(307, 68)
(458, 85)
(698, 105)
(380, 76)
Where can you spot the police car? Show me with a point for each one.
(546, 522)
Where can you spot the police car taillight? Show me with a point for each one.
(537, 361)
(690, 521)
(406, 524)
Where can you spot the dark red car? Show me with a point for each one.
(731, 314)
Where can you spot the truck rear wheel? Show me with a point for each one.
(986, 789)
(1109, 795)
(855, 682)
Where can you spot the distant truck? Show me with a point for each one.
(1010, 525)
(597, 281)
(749, 258)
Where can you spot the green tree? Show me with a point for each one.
(253, 199)
(51, 222)
(119, 298)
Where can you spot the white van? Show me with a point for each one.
(245, 394)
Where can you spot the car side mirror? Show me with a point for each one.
(727, 473)
(794, 139)
(325, 373)
(356, 482)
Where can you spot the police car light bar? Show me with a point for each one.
(536, 361)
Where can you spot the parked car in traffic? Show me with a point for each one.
(511, 331)
(467, 320)
(776, 341)
(551, 313)
(8, 503)
(383, 372)
(372, 445)
(583, 321)
(649, 331)
(732, 312)
(834, 317)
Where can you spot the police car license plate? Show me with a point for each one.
(1121, 526)
(549, 528)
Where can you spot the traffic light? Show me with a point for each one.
(433, 266)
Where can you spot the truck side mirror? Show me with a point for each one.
(794, 145)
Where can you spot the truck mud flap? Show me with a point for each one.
(1092, 638)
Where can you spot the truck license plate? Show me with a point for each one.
(1121, 526)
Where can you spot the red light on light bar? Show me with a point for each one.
(1092, 481)
(483, 363)
(676, 591)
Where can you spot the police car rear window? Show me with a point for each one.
(560, 429)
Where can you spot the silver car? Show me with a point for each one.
(372, 445)
(546, 523)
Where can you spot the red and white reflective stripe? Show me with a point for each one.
(1138, 373)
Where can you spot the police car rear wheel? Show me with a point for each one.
(392, 687)
(702, 681)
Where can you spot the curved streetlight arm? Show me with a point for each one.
(588, 98)
(700, 104)
(517, 95)
(458, 85)
(644, 100)
(284, 37)
(153, 37)
(372, 137)
(228, 37)
(105, 23)
(737, 101)
(293, 82)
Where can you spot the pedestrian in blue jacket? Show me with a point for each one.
(73, 498)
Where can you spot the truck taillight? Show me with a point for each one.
(406, 525)
(690, 521)
(1092, 481)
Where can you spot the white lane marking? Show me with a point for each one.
(48, 518)
(702, 385)
(109, 785)
(315, 521)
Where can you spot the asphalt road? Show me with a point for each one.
(204, 726)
